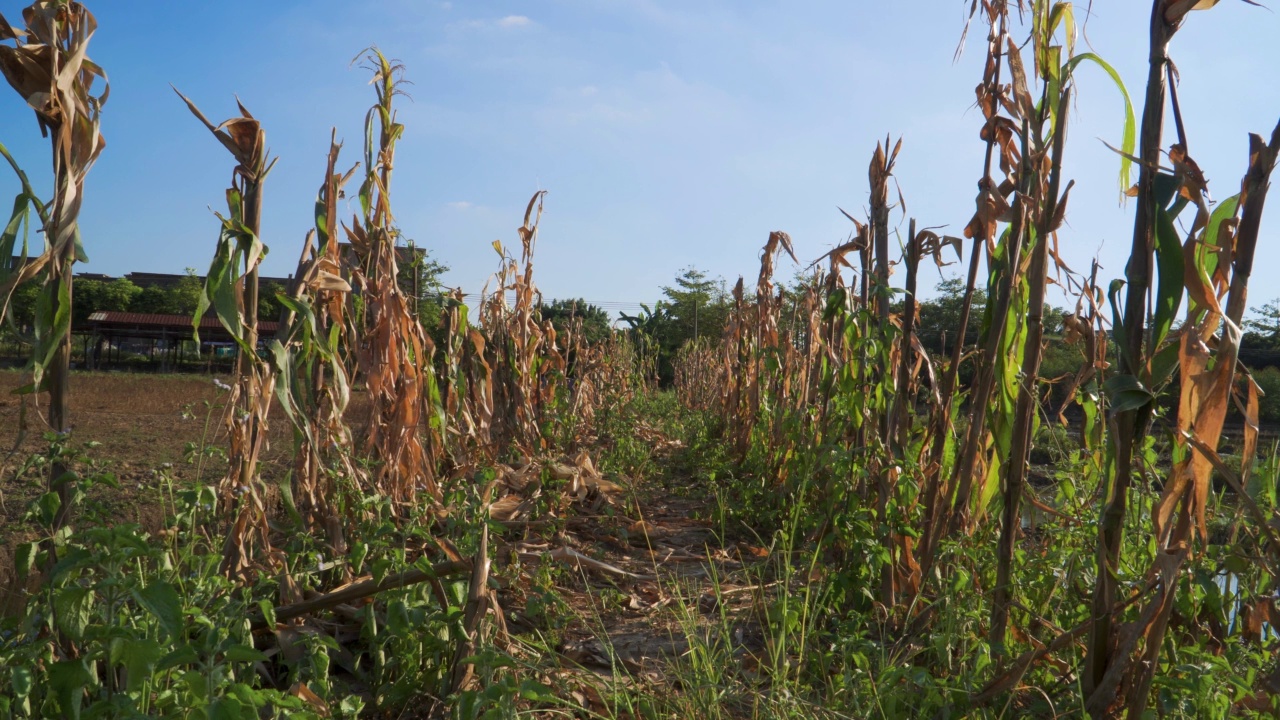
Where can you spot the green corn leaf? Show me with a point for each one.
(53, 322)
(1164, 364)
(1126, 392)
(285, 486)
(1172, 282)
(27, 190)
(32, 388)
(302, 309)
(1225, 210)
(1117, 319)
(81, 255)
(1063, 13)
(280, 354)
(9, 237)
(221, 290)
(1130, 136)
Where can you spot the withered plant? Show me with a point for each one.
(391, 350)
(49, 67)
(231, 290)
(315, 386)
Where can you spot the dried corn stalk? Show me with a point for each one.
(314, 386)
(392, 352)
(231, 289)
(525, 366)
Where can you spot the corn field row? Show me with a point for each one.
(840, 364)
(826, 395)
(440, 417)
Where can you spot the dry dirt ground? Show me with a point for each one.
(682, 592)
(148, 428)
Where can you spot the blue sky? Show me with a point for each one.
(668, 133)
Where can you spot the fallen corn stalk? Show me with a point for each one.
(363, 589)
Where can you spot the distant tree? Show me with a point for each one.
(182, 298)
(595, 320)
(695, 307)
(268, 305)
(651, 322)
(186, 293)
(153, 300)
(1263, 330)
(420, 278)
(22, 306)
(102, 296)
(939, 319)
(1268, 380)
(698, 306)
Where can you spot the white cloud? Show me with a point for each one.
(461, 205)
(513, 21)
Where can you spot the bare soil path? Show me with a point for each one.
(617, 603)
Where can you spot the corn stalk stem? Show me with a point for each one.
(246, 363)
(1253, 195)
(1020, 450)
(881, 164)
(937, 493)
(60, 282)
(363, 589)
(1131, 424)
(975, 437)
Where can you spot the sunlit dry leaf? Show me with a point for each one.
(325, 280)
(9, 32)
(1249, 448)
(1026, 106)
(1060, 211)
(301, 691)
(1176, 10)
(1199, 288)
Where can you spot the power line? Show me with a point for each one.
(510, 295)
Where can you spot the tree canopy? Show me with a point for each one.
(563, 313)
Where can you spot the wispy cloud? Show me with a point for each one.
(461, 205)
(510, 22)
(655, 104)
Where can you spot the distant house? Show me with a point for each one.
(147, 279)
(167, 280)
(159, 337)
